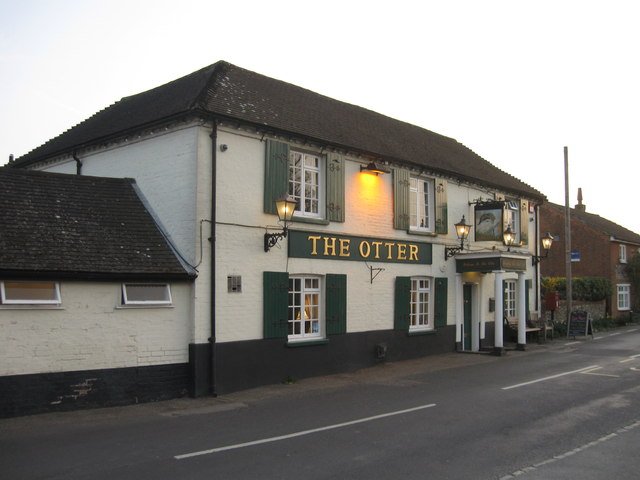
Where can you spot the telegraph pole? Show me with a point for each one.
(567, 235)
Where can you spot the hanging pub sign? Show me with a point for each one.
(489, 222)
(348, 247)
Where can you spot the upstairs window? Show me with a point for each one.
(623, 254)
(146, 294)
(512, 218)
(421, 204)
(29, 293)
(305, 183)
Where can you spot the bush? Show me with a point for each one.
(588, 289)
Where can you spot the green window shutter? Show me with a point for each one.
(401, 198)
(335, 187)
(402, 309)
(275, 304)
(440, 307)
(442, 215)
(276, 174)
(528, 283)
(336, 304)
(524, 222)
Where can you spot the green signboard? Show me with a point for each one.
(360, 249)
(491, 264)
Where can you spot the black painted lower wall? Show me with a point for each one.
(62, 391)
(247, 364)
(238, 366)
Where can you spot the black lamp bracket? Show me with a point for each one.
(271, 239)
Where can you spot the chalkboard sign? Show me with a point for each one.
(579, 324)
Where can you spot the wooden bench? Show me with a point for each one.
(530, 327)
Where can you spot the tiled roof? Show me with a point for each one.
(224, 90)
(59, 225)
(600, 224)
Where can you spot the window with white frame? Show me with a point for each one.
(510, 298)
(421, 204)
(306, 183)
(29, 293)
(305, 295)
(421, 314)
(623, 254)
(512, 218)
(624, 296)
(148, 294)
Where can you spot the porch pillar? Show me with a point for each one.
(498, 348)
(522, 312)
(459, 312)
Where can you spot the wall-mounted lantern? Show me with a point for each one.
(285, 206)
(547, 241)
(508, 237)
(462, 231)
(373, 167)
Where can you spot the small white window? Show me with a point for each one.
(29, 293)
(623, 254)
(305, 294)
(146, 294)
(306, 183)
(624, 297)
(421, 316)
(421, 202)
(510, 298)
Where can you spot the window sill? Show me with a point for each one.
(417, 333)
(316, 221)
(307, 343)
(31, 307)
(138, 307)
(422, 233)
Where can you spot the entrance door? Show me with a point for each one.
(467, 313)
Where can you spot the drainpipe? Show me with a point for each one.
(78, 163)
(212, 241)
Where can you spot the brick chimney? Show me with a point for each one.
(580, 206)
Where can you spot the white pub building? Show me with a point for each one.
(325, 237)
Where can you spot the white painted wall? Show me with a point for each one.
(90, 331)
(165, 169)
(369, 212)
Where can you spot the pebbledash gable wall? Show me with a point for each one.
(92, 352)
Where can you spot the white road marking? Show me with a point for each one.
(569, 453)
(548, 378)
(301, 433)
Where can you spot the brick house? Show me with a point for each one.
(599, 248)
(371, 267)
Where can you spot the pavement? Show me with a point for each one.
(388, 373)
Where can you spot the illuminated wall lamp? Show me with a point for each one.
(508, 237)
(547, 241)
(462, 231)
(372, 167)
(285, 206)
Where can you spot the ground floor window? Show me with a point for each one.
(304, 307)
(148, 294)
(624, 294)
(29, 293)
(421, 317)
(510, 298)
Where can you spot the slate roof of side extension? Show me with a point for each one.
(225, 91)
(600, 224)
(68, 226)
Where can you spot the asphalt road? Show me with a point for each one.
(561, 410)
